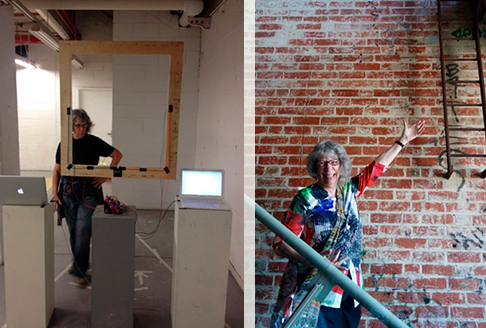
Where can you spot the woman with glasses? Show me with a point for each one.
(79, 195)
(325, 215)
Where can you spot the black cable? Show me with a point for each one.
(145, 235)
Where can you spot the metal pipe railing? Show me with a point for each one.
(325, 267)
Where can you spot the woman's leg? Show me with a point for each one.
(351, 314)
(347, 316)
(83, 233)
(70, 210)
(330, 318)
(80, 203)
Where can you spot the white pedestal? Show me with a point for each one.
(29, 265)
(201, 260)
(113, 270)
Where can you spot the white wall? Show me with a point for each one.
(38, 93)
(9, 159)
(140, 103)
(220, 116)
(38, 108)
(9, 133)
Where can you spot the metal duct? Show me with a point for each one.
(108, 4)
(190, 8)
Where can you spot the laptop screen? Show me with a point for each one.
(202, 183)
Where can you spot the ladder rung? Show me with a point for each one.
(466, 129)
(463, 81)
(458, 39)
(461, 59)
(463, 105)
(468, 155)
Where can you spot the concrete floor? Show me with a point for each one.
(152, 293)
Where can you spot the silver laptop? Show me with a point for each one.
(20, 190)
(202, 189)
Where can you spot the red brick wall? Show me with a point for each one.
(348, 71)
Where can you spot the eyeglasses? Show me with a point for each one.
(79, 126)
(334, 162)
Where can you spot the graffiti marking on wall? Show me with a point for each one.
(475, 239)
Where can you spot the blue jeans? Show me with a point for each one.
(347, 316)
(80, 199)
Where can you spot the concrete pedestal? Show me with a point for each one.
(113, 264)
(29, 265)
(201, 259)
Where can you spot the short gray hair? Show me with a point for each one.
(329, 148)
(81, 115)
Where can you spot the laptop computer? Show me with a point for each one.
(202, 189)
(21, 190)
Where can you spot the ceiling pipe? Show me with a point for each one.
(67, 19)
(106, 4)
(53, 23)
(26, 39)
(190, 8)
(40, 26)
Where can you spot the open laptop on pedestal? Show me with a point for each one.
(21, 190)
(202, 189)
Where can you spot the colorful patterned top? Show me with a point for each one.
(312, 216)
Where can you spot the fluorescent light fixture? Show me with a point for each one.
(25, 62)
(77, 63)
(46, 36)
(53, 23)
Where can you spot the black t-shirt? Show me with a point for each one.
(87, 150)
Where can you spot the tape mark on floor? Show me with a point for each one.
(154, 251)
(62, 273)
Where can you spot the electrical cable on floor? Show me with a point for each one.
(148, 235)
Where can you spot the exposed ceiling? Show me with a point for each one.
(61, 22)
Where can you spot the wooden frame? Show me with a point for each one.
(67, 49)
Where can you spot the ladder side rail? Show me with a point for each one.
(477, 40)
(444, 95)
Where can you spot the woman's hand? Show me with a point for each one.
(57, 202)
(411, 132)
(98, 182)
(333, 257)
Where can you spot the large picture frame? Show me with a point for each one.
(68, 49)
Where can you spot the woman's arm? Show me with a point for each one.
(333, 256)
(116, 157)
(409, 133)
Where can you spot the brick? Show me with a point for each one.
(463, 257)
(412, 243)
(377, 242)
(464, 284)
(468, 312)
(269, 26)
(263, 280)
(430, 283)
(449, 298)
(413, 297)
(474, 298)
(431, 312)
(386, 269)
(382, 297)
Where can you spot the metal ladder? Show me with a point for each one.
(449, 65)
